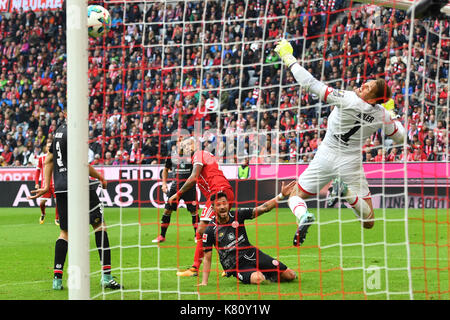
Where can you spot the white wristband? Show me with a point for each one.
(280, 196)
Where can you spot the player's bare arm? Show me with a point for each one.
(269, 205)
(285, 50)
(165, 175)
(36, 178)
(48, 171)
(366, 92)
(206, 267)
(190, 182)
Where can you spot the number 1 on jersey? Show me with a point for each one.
(345, 137)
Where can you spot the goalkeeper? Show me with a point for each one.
(356, 115)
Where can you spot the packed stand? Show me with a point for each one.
(224, 76)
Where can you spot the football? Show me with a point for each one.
(99, 21)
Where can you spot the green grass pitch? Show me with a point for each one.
(339, 259)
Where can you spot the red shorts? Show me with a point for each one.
(208, 212)
(50, 193)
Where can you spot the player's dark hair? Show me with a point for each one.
(382, 92)
(218, 195)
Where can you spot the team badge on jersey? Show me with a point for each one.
(338, 93)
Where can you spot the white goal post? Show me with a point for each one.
(77, 153)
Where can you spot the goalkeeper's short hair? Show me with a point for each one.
(382, 92)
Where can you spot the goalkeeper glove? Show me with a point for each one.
(285, 50)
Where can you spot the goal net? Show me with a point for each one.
(208, 69)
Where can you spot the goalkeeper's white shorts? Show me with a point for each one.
(328, 164)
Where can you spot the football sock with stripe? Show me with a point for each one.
(60, 257)
(194, 221)
(102, 242)
(297, 206)
(359, 206)
(165, 221)
(198, 256)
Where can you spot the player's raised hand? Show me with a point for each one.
(164, 188)
(285, 51)
(37, 193)
(283, 47)
(286, 190)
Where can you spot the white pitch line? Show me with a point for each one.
(323, 256)
(25, 283)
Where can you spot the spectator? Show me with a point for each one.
(165, 88)
(393, 155)
(244, 170)
(2, 162)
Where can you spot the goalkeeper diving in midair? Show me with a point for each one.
(355, 117)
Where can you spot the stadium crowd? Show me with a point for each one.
(148, 80)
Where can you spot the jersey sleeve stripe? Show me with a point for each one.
(396, 129)
(327, 92)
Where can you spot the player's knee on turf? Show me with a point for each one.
(257, 277)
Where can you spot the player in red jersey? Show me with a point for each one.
(210, 180)
(51, 192)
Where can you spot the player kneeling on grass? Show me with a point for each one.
(58, 166)
(237, 256)
(356, 116)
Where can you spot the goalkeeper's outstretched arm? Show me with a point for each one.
(303, 77)
(396, 131)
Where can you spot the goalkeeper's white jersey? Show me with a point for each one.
(353, 120)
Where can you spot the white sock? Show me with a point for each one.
(297, 206)
(359, 206)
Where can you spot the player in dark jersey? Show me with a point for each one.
(237, 256)
(56, 164)
(181, 168)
